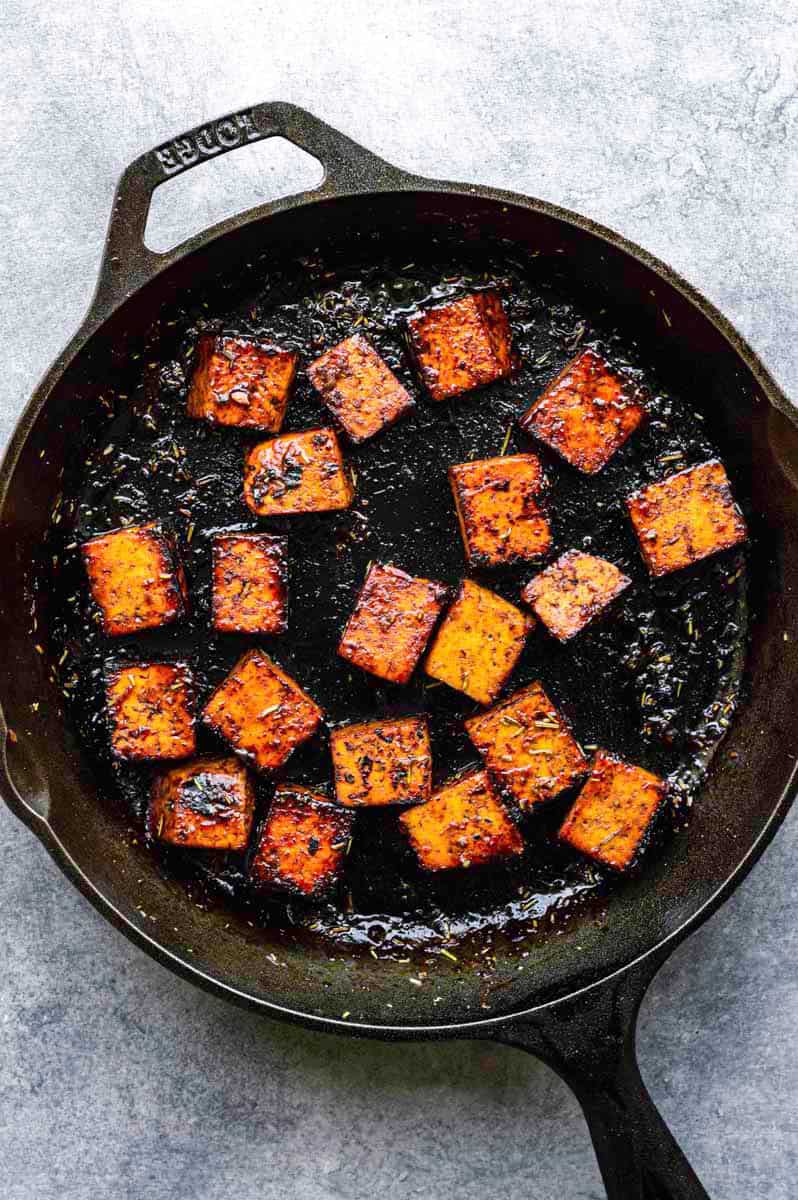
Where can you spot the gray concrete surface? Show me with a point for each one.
(677, 125)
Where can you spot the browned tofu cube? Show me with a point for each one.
(136, 578)
(359, 388)
(686, 518)
(586, 413)
(528, 747)
(478, 643)
(240, 382)
(391, 622)
(297, 473)
(613, 812)
(249, 583)
(572, 591)
(151, 708)
(462, 345)
(382, 762)
(465, 824)
(205, 805)
(303, 843)
(262, 712)
(500, 520)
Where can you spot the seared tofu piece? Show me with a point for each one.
(572, 591)
(686, 518)
(613, 812)
(205, 805)
(297, 473)
(136, 578)
(478, 643)
(500, 520)
(359, 388)
(465, 824)
(528, 747)
(462, 345)
(241, 382)
(586, 413)
(249, 583)
(151, 710)
(262, 712)
(391, 622)
(303, 843)
(382, 762)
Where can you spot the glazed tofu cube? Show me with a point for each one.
(478, 643)
(572, 591)
(613, 812)
(528, 748)
(465, 824)
(205, 805)
(462, 345)
(359, 388)
(136, 578)
(586, 413)
(249, 583)
(303, 843)
(500, 521)
(262, 712)
(391, 622)
(297, 473)
(382, 762)
(240, 382)
(686, 518)
(151, 710)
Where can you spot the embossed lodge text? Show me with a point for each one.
(211, 139)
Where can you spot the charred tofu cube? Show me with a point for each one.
(303, 843)
(240, 382)
(382, 762)
(586, 413)
(528, 748)
(686, 518)
(249, 583)
(297, 473)
(359, 388)
(613, 812)
(500, 520)
(478, 643)
(136, 578)
(572, 591)
(262, 712)
(151, 709)
(205, 805)
(391, 622)
(465, 824)
(462, 345)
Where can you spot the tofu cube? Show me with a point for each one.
(240, 382)
(613, 812)
(151, 710)
(586, 413)
(297, 473)
(302, 845)
(686, 518)
(359, 389)
(500, 521)
(205, 805)
(465, 824)
(382, 762)
(572, 591)
(249, 583)
(136, 578)
(462, 345)
(391, 622)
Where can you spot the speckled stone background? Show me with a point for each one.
(676, 123)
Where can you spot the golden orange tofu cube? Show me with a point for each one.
(262, 712)
(613, 812)
(359, 388)
(462, 345)
(572, 591)
(249, 583)
(465, 824)
(391, 622)
(205, 805)
(297, 473)
(151, 709)
(136, 578)
(478, 643)
(686, 518)
(303, 843)
(586, 413)
(500, 521)
(382, 762)
(240, 382)
(528, 748)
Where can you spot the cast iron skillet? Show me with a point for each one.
(572, 1000)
